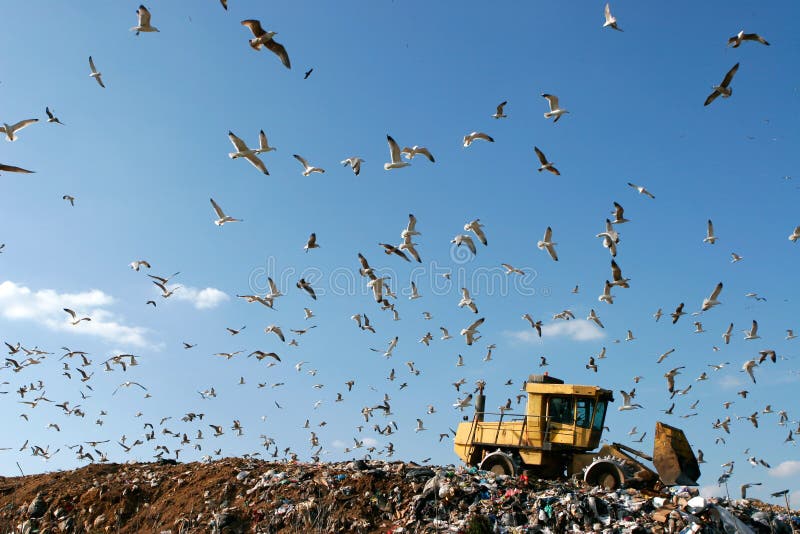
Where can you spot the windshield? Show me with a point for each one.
(599, 415)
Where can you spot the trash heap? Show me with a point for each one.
(245, 495)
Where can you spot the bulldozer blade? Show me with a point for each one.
(673, 457)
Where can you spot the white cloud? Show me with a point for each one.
(202, 299)
(46, 308)
(789, 468)
(576, 330)
(730, 382)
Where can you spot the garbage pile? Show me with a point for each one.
(238, 495)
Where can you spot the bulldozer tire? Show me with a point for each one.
(608, 473)
(499, 463)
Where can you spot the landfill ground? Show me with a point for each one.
(246, 495)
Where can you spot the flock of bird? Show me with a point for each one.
(77, 364)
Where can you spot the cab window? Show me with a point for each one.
(599, 415)
(560, 410)
(583, 413)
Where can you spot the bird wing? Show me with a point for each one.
(618, 211)
(91, 65)
(12, 168)
(754, 330)
(302, 160)
(552, 100)
(729, 76)
(552, 251)
(254, 26)
(500, 107)
(608, 13)
(257, 163)
(716, 292)
(144, 16)
(280, 51)
(22, 124)
(713, 96)
(262, 140)
(616, 272)
(548, 234)
(476, 324)
(754, 37)
(425, 152)
(217, 209)
(238, 144)
(710, 228)
(540, 155)
(72, 313)
(480, 234)
(394, 149)
(49, 113)
(412, 223)
(481, 135)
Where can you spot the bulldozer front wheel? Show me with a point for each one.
(607, 473)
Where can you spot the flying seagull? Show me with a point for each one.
(546, 165)
(51, 117)
(11, 129)
(723, 89)
(611, 20)
(469, 138)
(265, 39)
(794, 236)
(641, 190)
(740, 37)
(555, 111)
(69, 198)
(222, 217)
(354, 163)
(415, 150)
(308, 73)
(144, 21)
(477, 228)
(394, 152)
(95, 74)
(311, 243)
(242, 150)
(470, 331)
(547, 243)
(75, 319)
(307, 169)
(710, 237)
(712, 301)
(499, 113)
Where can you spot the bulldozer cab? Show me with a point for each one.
(572, 420)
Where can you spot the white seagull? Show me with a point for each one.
(710, 237)
(740, 37)
(242, 151)
(611, 20)
(499, 113)
(469, 138)
(626, 402)
(794, 236)
(467, 301)
(723, 89)
(95, 73)
(11, 129)
(265, 39)
(476, 228)
(470, 331)
(753, 332)
(307, 169)
(545, 165)
(354, 163)
(642, 190)
(222, 217)
(144, 21)
(547, 243)
(712, 301)
(555, 111)
(415, 150)
(394, 153)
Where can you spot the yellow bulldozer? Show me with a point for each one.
(554, 438)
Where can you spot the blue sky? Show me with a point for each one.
(143, 156)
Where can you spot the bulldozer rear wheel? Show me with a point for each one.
(499, 463)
